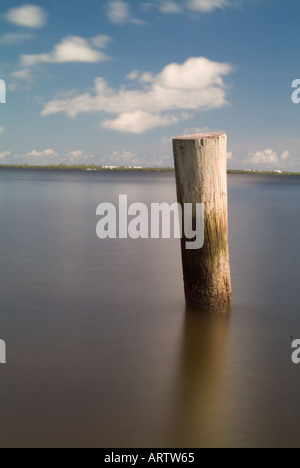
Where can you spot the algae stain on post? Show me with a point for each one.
(201, 177)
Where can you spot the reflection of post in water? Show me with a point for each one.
(198, 416)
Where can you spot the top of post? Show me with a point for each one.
(200, 136)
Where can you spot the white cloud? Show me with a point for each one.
(47, 152)
(71, 49)
(21, 78)
(269, 157)
(22, 75)
(121, 158)
(197, 84)
(229, 155)
(196, 130)
(29, 16)
(101, 41)
(47, 157)
(119, 12)
(133, 75)
(169, 7)
(285, 156)
(78, 157)
(2, 129)
(4, 154)
(50, 152)
(15, 38)
(75, 154)
(128, 158)
(181, 6)
(206, 6)
(139, 122)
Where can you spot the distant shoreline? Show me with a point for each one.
(86, 168)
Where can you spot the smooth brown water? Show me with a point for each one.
(101, 349)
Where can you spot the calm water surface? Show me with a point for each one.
(101, 349)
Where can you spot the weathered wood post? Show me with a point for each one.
(201, 177)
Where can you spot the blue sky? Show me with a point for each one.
(111, 82)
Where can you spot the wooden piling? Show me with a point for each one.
(201, 177)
